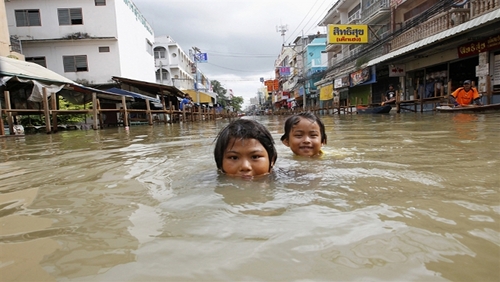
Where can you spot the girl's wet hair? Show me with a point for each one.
(293, 120)
(244, 129)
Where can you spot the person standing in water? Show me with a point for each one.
(390, 96)
(245, 148)
(466, 95)
(304, 134)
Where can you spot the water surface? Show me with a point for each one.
(396, 198)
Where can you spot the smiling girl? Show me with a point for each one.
(304, 134)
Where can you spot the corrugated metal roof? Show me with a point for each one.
(440, 36)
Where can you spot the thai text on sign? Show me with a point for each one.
(347, 34)
(476, 47)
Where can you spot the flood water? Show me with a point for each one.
(398, 197)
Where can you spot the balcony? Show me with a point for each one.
(354, 17)
(376, 11)
(444, 21)
(435, 25)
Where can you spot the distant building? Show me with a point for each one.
(86, 41)
(175, 67)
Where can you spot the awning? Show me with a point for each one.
(26, 70)
(490, 17)
(14, 71)
(205, 97)
(133, 94)
(149, 87)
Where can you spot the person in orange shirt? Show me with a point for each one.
(464, 96)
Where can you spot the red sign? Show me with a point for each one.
(271, 85)
(476, 47)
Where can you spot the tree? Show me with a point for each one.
(220, 91)
(237, 102)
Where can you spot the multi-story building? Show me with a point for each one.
(424, 48)
(297, 69)
(176, 68)
(87, 41)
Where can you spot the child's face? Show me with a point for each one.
(245, 158)
(305, 138)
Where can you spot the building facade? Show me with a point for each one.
(177, 68)
(86, 41)
(424, 48)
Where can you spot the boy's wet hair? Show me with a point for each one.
(244, 129)
(293, 120)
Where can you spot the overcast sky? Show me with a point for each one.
(240, 37)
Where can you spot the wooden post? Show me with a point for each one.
(53, 100)
(171, 111)
(2, 129)
(125, 112)
(10, 122)
(489, 93)
(148, 113)
(94, 110)
(164, 109)
(101, 120)
(46, 110)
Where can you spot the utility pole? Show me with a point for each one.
(282, 29)
(195, 54)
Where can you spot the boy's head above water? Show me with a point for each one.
(245, 148)
(304, 134)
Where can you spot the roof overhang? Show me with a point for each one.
(148, 88)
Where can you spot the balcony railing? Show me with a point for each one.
(444, 21)
(356, 16)
(376, 7)
(480, 7)
(441, 22)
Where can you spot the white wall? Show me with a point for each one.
(97, 20)
(118, 25)
(133, 33)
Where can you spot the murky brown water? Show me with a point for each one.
(397, 198)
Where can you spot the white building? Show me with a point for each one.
(177, 68)
(87, 41)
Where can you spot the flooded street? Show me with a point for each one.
(397, 197)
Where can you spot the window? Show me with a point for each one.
(149, 47)
(70, 16)
(100, 2)
(160, 52)
(37, 60)
(104, 49)
(75, 63)
(28, 18)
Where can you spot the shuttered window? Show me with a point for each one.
(75, 63)
(104, 49)
(28, 18)
(100, 2)
(72, 16)
(37, 60)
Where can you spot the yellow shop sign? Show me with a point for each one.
(347, 33)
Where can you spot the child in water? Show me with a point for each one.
(245, 148)
(304, 135)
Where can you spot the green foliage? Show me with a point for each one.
(27, 120)
(237, 102)
(220, 91)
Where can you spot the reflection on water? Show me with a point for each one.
(396, 197)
